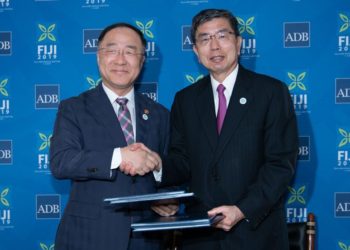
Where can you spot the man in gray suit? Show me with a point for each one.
(90, 140)
(234, 141)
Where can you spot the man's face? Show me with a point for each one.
(217, 47)
(120, 58)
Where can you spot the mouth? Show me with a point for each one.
(216, 58)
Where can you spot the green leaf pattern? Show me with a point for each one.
(3, 200)
(296, 195)
(343, 246)
(346, 21)
(46, 141)
(296, 81)
(3, 91)
(47, 32)
(145, 28)
(346, 138)
(245, 26)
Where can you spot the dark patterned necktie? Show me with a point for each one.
(124, 118)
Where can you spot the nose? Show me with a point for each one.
(214, 43)
(119, 59)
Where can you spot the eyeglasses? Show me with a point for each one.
(113, 51)
(222, 37)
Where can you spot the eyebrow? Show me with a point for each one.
(133, 47)
(206, 34)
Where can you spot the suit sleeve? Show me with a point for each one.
(68, 157)
(280, 153)
(175, 167)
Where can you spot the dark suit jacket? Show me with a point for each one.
(249, 165)
(85, 134)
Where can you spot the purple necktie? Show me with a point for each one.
(124, 118)
(222, 107)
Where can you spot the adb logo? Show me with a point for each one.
(90, 40)
(149, 89)
(343, 157)
(296, 204)
(47, 96)
(297, 35)
(342, 205)
(146, 28)
(342, 90)
(343, 45)
(186, 37)
(5, 152)
(297, 87)
(5, 43)
(247, 31)
(48, 206)
(304, 148)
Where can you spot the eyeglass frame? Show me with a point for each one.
(118, 52)
(211, 36)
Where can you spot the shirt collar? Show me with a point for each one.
(113, 96)
(229, 81)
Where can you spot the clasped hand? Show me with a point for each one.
(137, 159)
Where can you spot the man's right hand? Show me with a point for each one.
(137, 159)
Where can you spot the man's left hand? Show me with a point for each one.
(232, 215)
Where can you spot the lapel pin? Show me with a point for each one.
(243, 100)
(145, 114)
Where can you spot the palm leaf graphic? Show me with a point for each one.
(51, 28)
(42, 28)
(292, 76)
(250, 20)
(42, 37)
(190, 78)
(43, 246)
(140, 25)
(3, 92)
(3, 83)
(342, 245)
(292, 190)
(301, 86)
(149, 24)
(343, 132)
(344, 27)
(42, 136)
(149, 33)
(344, 18)
(301, 76)
(292, 85)
(52, 247)
(250, 30)
(51, 37)
(199, 77)
(292, 199)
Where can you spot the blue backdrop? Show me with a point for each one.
(47, 53)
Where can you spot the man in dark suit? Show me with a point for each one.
(234, 140)
(90, 140)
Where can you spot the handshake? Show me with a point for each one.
(137, 159)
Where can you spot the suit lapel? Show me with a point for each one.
(99, 105)
(142, 112)
(238, 106)
(206, 111)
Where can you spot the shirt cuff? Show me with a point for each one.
(116, 158)
(158, 175)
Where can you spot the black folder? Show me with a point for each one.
(148, 197)
(175, 222)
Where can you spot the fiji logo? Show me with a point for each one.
(45, 141)
(3, 199)
(191, 79)
(93, 84)
(47, 32)
(346, 137)
(245, 26)
(343, 246)
(346, 23)
(45, 247)
(3, 83)
(296, 81)
(296, 195)
(145, 28)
